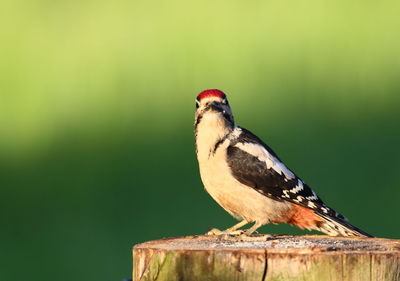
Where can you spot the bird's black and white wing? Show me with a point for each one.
(254, 164)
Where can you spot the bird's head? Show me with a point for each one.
(213, 103)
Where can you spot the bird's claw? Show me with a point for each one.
(215, 231)
(237, 235)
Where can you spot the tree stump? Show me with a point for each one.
(306, 258)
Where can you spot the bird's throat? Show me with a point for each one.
(209, 131)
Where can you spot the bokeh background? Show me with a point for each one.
(96, 119)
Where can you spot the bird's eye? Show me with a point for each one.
(197, 105)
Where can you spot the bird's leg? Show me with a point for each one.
(246, 236)
(234, 235)
(249, 231)
(232, 230)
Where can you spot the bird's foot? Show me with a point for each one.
(237, 235)
(229, 236)
(215, 231)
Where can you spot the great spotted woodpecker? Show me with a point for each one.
(249, 180)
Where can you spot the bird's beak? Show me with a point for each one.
(215, 106)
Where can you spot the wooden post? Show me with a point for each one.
(306, 258)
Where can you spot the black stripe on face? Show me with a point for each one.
(228, 117)
(219, 142)
(197, 121)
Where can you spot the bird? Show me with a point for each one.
(248, 179)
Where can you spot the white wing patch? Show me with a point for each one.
(299, 187)
(324, 209)
(312, 197)
(285, 193)
(311, 204)
(263, 155)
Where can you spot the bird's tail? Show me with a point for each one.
(336, 226)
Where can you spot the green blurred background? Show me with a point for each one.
(96, 119)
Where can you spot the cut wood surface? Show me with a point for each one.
(307, 258)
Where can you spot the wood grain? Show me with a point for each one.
(267, 258)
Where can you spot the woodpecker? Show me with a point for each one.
(248, 179)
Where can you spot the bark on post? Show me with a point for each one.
(310, 258)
